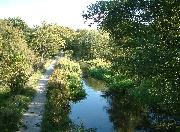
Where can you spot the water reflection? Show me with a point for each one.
(106, 113)
(57, 112)
(110, 112)
(92, 110)
(113, 111)
(95, 84)
(126, 113)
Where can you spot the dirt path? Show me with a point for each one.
(33, 117)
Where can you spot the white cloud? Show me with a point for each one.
(63, 12)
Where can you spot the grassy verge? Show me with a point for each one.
(12, 106)
(101, 69)
(64, 86)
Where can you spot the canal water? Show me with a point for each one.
(92, 111)
(110, 113)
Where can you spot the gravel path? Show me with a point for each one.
(33, 117)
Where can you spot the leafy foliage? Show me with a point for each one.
(102, 69)
(89, 44)
(67, 34)
(146, 44)
(16, 58)
(64, 86)
(12, 106)
(46, 40)
(69, 76)
(97, 68)
(19, 24)
(11, 113)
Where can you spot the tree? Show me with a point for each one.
(89, 44)
(21, 25)
(15, 57)
(146, 43)
(46, 40)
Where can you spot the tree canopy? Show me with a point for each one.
(15, 57)
(46, 40)
(89, 44)
(146, 42)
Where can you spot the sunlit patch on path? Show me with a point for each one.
(33, 117)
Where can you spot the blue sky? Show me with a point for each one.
(64, 12)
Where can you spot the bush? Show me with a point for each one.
(96, 68)
(16, 58)
(101, 69)
(64, 86)
(67, 76)
(11, 112)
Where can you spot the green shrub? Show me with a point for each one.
(96, 68)
(64, 86)
(101, 69)
(11, 112)
(119, 81)
(67, 75)
(98, 63)
(16, 58)
(97, 73)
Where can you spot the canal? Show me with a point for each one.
(115, 112)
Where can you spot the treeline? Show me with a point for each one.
(23, 50)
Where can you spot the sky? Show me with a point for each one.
(34, 12)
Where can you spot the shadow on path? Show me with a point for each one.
(33, 117)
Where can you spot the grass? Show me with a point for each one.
(12, 106)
